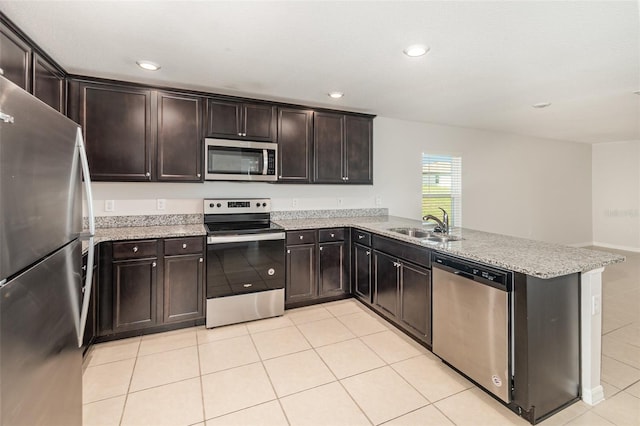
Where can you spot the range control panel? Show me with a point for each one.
(236, 205)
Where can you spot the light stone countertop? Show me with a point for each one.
(536, 258)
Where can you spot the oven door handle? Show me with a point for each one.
(223, 239)
(265, 162)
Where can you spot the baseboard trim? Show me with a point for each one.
(617, 247)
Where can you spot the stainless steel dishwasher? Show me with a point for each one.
(471, 311)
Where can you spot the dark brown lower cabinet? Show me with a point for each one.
(150, 285)
(402, 288)
(183, 287)
(362, 272)
(317, 266)
(135, 301)
(90, 329)
(332, 277)
(386, 283)
(301, 272)
(415, 299)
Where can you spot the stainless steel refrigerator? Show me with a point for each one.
(41, 293)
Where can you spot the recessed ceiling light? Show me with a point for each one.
(416, 50)
(541, 105)
(336, 95)
(148, 65)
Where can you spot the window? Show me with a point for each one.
(442, 186)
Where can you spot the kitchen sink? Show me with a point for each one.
(412, 232)
(426, 236)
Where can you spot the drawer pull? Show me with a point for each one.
(360, 236)
(200, 260)
(153, 265)
(368, 253)
(135, 249)
(247, 285)
(321, 248)
(288, 251)
(333, 235)
(396, 264)
(301, 237)
(184, 246)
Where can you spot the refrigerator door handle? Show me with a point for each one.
(92, 229)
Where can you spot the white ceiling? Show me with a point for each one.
(489, 61)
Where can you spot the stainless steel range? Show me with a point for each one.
(245, 261)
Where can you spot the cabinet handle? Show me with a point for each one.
(333, 235)
(396, 264)
(346, 178)
(368, 253)
(200, 260)
(360, 237)
(198, 175)
(135, 249)
(288, 251)
(84, 267)
(320, 248)
(301, 237)
(184, 246)
(1, 71)
(147, 174)
(280, 177)
(239, 133)
(153, 265)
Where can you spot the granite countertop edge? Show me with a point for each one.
(535, 258)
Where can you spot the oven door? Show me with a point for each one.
(249, 263)
(240, 160)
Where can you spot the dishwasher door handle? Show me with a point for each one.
(464, 275)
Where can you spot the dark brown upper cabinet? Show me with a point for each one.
(343, 149)
(179, 137)
(15, 57)
(48, 83)
(295, 137)
(229, 119)
(138, 134)
(116, 121)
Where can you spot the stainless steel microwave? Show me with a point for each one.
(240, 160)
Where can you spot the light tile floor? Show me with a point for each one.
(334, 364)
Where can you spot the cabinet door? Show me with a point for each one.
(386, 283)
(295, 133)
(301, 272)
(90, 329)
(415, 300)
(328, 135)
(48, 83)
(358, 150)
(332, 278)
(134, 283)
(362, 271)
(15, 57)
(259, 122)
(179, 138)
(183, 287)
(117, 131)
(224, 118)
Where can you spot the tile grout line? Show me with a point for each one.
(273, 388)
(204, 416)
(133, 370)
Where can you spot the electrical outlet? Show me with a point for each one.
(109, 205)
(378, 201)
(161, 204)
(340, 200)
(294, 202)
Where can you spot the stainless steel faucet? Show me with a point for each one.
(443, 225)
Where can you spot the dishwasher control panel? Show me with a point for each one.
(475, 271)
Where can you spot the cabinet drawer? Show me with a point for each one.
(403, 251)
(301, 237)
(334, 234)
(192, 245)
(361, 237)
(135, 249)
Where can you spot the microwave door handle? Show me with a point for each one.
(265, 162)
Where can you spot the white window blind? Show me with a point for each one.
(442, 186)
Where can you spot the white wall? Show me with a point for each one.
(514, 185)
(616, 195)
